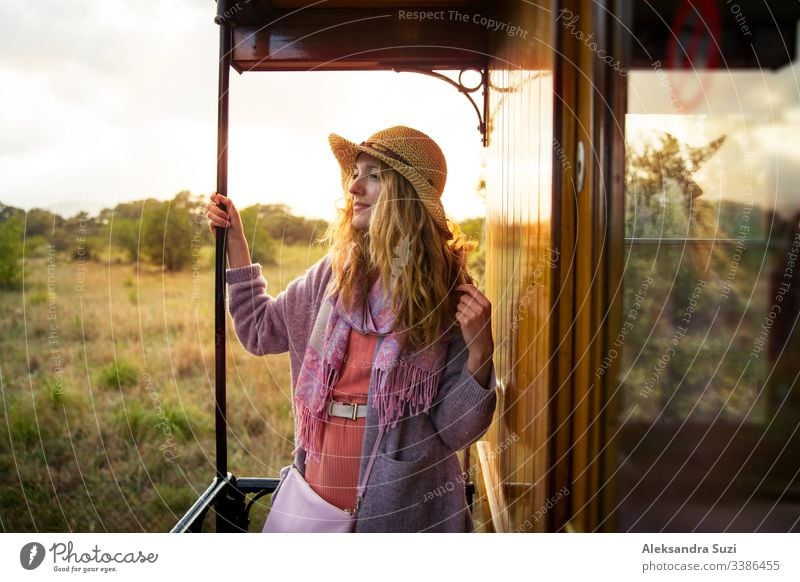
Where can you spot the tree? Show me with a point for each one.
(7, 212)
(171, 229)
(125, 235)
(277, 222)
(41, 222)
(254, 225)
(662, 198)
(687, 360)
(126, 210)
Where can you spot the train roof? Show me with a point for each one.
(286, 35)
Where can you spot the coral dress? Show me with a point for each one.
(335, 475)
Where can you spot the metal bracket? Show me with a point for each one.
(483, 113)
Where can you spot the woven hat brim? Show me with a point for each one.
(347, 151)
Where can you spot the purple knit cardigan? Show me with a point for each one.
(416, 484)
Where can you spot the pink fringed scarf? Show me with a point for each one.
(402, 382)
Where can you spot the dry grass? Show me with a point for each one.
(107, 397)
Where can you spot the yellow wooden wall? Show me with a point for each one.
(552, 266)
(520, 260)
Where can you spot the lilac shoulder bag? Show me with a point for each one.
(296, 508)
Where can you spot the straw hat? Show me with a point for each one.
(414, 155)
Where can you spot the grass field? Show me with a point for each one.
(106, 378)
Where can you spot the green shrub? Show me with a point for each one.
(177, 421)
(118, 374)
(38, 297)
(56, 392)
(24, 430)
(132, 420)
(11, 253)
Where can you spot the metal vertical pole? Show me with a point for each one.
(225, 504)
(225, 33)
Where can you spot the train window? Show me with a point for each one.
(709, 340)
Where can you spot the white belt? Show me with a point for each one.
(347, 410)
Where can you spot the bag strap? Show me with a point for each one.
(362, 488)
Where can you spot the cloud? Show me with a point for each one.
(110, 101)
(92, 92)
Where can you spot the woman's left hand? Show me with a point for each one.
(474, 316)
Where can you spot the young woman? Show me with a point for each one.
(387, 337)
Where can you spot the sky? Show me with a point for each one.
(757, 111)
(112, 101)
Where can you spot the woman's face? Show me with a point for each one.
(365, 188)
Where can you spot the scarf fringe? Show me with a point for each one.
(309, 427)
(404, 389)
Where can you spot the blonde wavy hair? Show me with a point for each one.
(419, 269)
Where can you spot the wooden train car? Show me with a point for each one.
(565, 452)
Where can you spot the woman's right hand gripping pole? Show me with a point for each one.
(223, 214)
